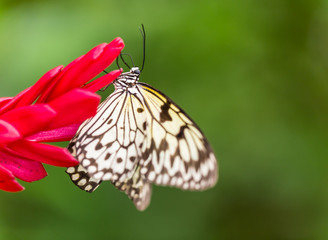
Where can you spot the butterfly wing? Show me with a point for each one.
(138, 189)
(107, 144)
(108, 147)
(177, 153)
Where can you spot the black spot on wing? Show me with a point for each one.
(181, 132)
(163, 146)
(164, 115)
(70, 146)
(98, 146)
(144, 126)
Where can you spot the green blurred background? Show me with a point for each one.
(253, 75)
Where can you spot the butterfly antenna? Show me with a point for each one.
(121, 55)
(143, 33)
(118, 65)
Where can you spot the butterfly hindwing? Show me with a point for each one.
(137, 188)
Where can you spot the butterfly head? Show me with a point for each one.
(128, 79)
(135, 70)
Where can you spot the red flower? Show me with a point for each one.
(51, 110)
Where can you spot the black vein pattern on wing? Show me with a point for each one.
(205, 153)
(138, 150)
(122, 115)
(87, 134)
(168, 103)
(100, 108)
(80, 175)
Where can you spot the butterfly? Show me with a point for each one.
(140, 137)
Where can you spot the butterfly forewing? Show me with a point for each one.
(180, 155)
(108, 142)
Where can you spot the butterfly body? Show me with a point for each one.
(139, 137)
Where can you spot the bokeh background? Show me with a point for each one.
(253, 75)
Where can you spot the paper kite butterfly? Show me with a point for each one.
(140, 137)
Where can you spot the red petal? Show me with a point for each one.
(12, 103)
(71, 64)
(22, 168)
(74, 107)
(89, 66)
(44, 153)
(30, 119)
(8, 182)
(43, 84)
(55, 135)
(103, 81)
(8, 132)
(4, 101)
(44, 96)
